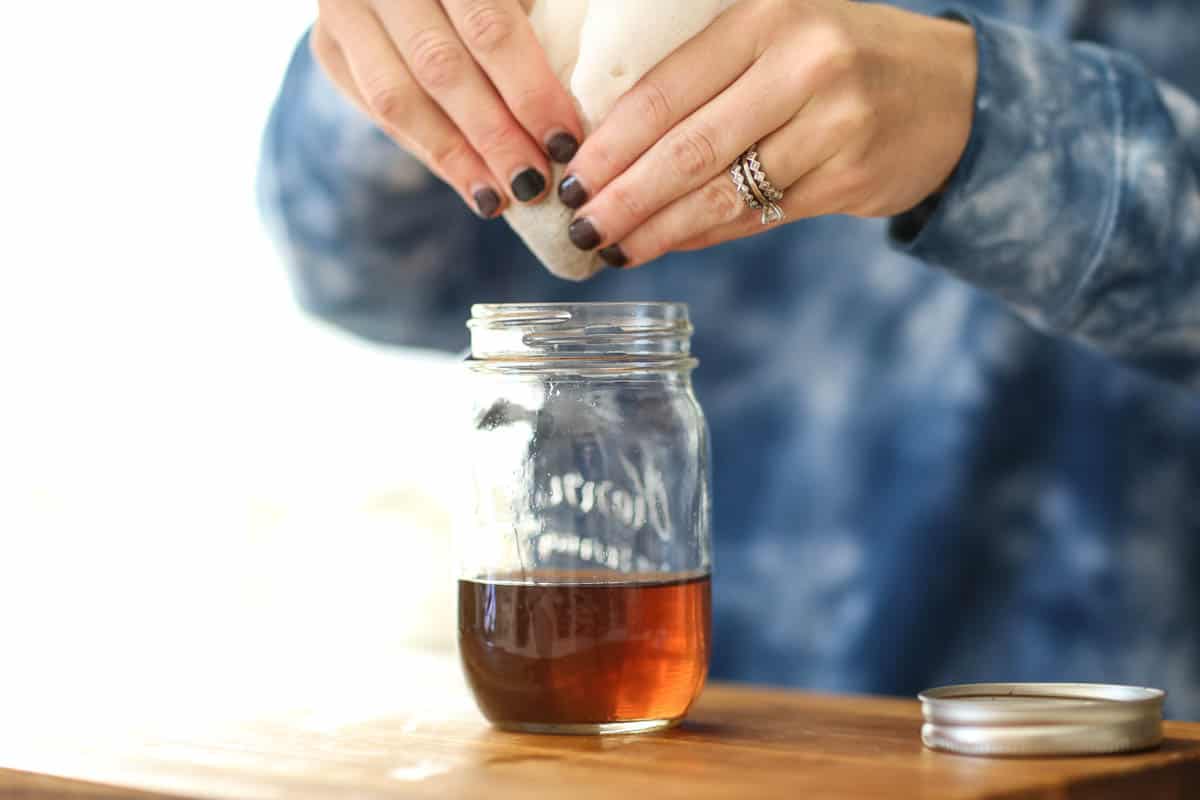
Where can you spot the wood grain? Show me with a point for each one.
(738, 742)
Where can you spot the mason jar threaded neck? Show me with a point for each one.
(643, 335)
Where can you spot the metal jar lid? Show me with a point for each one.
(1041, 719)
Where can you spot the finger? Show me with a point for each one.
(439, 61)
(382, 87)
(329, 56)
(828, 189)
(717, 209)
(499, 36)
(699, 70)
(827, 177)
(715, 205)
(690, 155)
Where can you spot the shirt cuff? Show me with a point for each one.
(1032, 200)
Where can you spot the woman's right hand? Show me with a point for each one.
(463, 85)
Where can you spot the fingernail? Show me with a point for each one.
(584, 235)
(572, 193)
(487, 202)
(562, 147)
(528, 185)
(614, 256)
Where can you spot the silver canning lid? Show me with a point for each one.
(1041, 719)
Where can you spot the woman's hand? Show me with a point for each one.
(461, 84)
(856, 108)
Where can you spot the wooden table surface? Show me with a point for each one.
(428, 742)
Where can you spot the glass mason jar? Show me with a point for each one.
(584, 594)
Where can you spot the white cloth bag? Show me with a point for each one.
(599, 49)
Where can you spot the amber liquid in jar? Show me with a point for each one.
(560, 651)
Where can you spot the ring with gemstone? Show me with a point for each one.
(755, 189)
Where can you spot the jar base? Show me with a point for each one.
(590, 728)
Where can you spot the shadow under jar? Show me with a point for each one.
(584, 594)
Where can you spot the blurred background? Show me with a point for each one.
(197, 479)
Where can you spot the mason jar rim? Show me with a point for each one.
(535, 313)
(612, 336)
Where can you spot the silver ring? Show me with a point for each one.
(755, 189)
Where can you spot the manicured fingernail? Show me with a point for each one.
(614, 256)
(528, 185)
(562, 147)
(572, 193)
(584, 235)
(487, 202)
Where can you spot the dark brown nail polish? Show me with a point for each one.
(571, 192)
(584, 235)
(487, 202)
(614, 256)
(528, 185)
(562, 147)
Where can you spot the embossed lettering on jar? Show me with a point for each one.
(584, 593)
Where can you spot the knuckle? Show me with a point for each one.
(386, 100)
(487, 27)
(448, 154)
(627, 200)
(855, 180)
(319, 43)
(497, 137)
(653, 104)
(436, 61)
(838, 52)
(860, 114)
(531, 102)
(601, 157)
(856, 202)
(722, 203)
(693, 153)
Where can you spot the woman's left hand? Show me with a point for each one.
(856, 108)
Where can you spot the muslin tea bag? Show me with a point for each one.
(599, 49)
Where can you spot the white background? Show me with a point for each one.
(191, 471)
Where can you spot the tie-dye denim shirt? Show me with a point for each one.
(961, 447)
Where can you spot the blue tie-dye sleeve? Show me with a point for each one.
(1078, 199)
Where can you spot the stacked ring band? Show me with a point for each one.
(755, 189)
